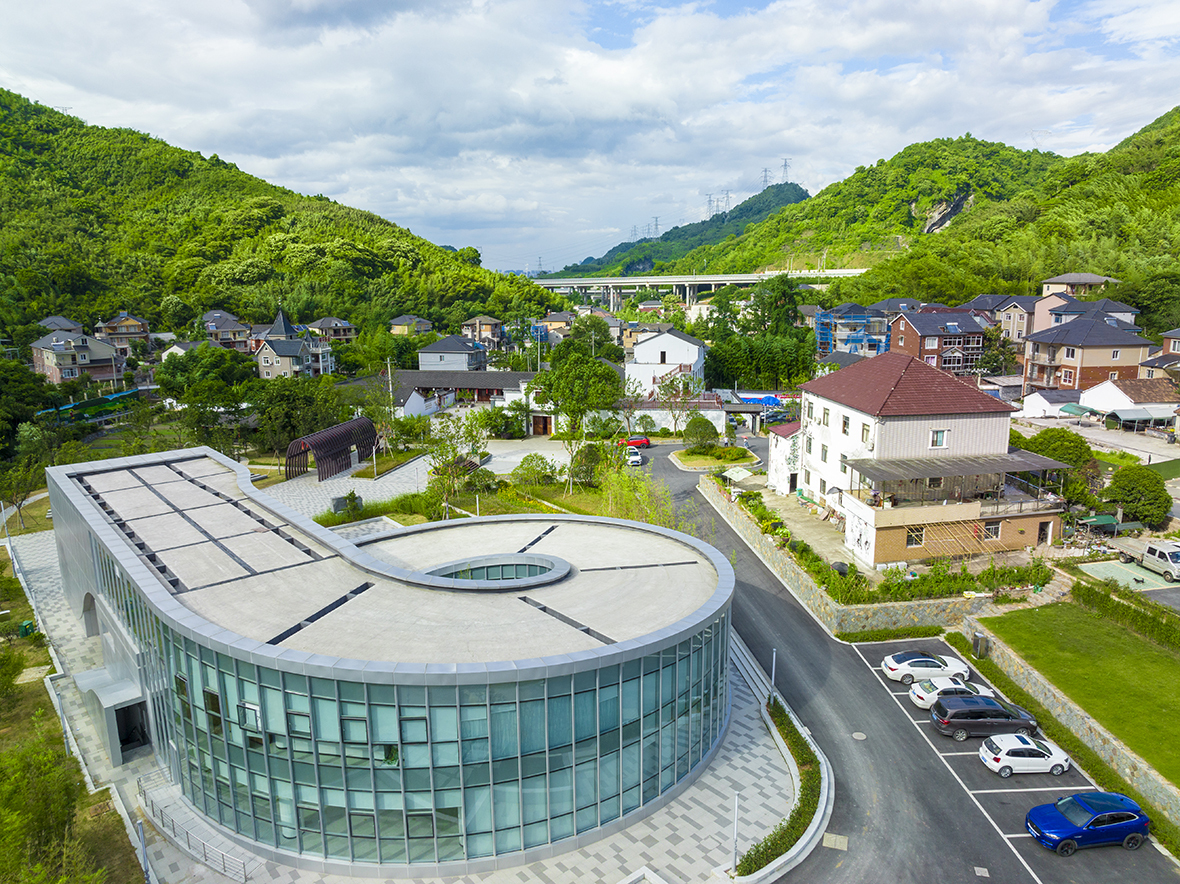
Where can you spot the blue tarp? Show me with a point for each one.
(765, 400)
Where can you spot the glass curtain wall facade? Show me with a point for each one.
(400, 773)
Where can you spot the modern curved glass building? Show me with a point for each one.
(434, 700)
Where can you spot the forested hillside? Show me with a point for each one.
(950, 219)
(882, 209)
(649, 255)
(95, 220)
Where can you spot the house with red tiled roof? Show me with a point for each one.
(913, 464)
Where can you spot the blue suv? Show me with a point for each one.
(1088, 819)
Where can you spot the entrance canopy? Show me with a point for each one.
(934, 467)
(332, 448)
(1078, 410)
(1145, 413)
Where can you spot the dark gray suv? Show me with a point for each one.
(963, 717)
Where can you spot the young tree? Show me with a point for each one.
(19, 481)
(677, 394)
(700, 433)
(288, 408)
(574, 389)
(453, 442)
(630, 400)
(999, 356)
(1141, 492)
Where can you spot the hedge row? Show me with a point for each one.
(788, 832)
(885, 635)
(1106, 777)
(1129, 610)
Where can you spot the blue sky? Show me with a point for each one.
(548, 129)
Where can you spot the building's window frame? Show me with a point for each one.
(915, 536)
(991, 530)
(845, 424)
(938, 437)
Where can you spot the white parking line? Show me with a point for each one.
(950, 754)
(1038, 789)
(946, 764)
(1021, 835)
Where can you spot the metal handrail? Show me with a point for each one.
(181, 836)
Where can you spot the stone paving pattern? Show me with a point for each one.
(683, 841)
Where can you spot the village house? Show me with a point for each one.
(1082, 353)
(952, 342)
(64, 356)
(915, 464)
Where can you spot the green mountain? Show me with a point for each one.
(880, 210)
(950, 219)
(650, 255)
(96, 220)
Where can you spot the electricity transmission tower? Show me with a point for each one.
(634, 233)
(786, 168)
(727, 202)
(656, 224)
(709, 210)
(765, 178)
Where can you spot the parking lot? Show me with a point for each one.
(1000, 804)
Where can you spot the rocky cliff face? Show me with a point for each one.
(941, 214)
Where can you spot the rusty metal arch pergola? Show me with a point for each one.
(332, 448)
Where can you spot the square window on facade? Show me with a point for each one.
(1114, 376)
(1067, 376)
(915, 536)
(1071, 353)
(938, 438)
(1114, 355)
(991, 530)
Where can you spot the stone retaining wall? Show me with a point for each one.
(834, 616)
(1109, 748)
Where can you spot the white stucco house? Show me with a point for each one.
(914, 464)
(782, 464)
(1135, 402)
(664, 354)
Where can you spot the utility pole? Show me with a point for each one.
(786, 168)
(540, 267)
(765, 178)
(389, 375)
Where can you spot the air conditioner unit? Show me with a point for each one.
(869, 445)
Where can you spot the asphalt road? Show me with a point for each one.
(906, 815)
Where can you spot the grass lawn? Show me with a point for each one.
(34, 515)
(1116, 459)
(704, 460)
(1169, 469)
(583, 501)
(498, 504)
(387, 462)
(1122, 680)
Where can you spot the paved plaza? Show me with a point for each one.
(684, 841)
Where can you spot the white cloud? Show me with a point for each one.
(510, 126)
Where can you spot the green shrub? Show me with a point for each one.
(1105, 777)
(884, 635)
(482, 481)
(535, 469)
(788, 832)
(700, 433)
(663, 432)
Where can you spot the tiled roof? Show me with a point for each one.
(59, 323)
(451, 344)
(330, 322)
(462, 380)
(281, 327)
(1147, 389)
(1080, 279)
(894, 384)
(1087, 333)
(407, 319)
(841, 358)
(1161, 360)
(1058, 397)
(786, 430)
(945, 323)
(285, 348)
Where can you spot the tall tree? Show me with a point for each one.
(574, 389)
(678, 394)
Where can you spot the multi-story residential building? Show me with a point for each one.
(64, 356)
(284, 351)
(408, 324)
(488, 330)
(336, 331)
(951, 341)
(1013, 314)
(225, 330)
(1072, 309)
(668, 353)
(1082, 353)
(915, 463)
(1075, 284)
(851, 328)
(121, 331)
(561, 319)
(453, 353)
(1164, 362)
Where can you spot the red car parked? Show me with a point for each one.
(636, 441)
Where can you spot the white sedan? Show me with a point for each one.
(1007, 754)
(910, 666)
(634, 457)
(924, 693)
